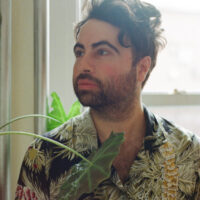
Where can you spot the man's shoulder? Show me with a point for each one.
(179, 137)
(80, 123)
(174, 129)
(78, 133)
(166, 131)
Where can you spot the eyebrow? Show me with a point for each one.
(97, 44)
(104, 42)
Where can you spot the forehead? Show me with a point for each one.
(95, 30)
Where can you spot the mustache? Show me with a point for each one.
(89, 77)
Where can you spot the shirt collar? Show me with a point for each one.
(154, 136)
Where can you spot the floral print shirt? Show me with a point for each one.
(167, 166)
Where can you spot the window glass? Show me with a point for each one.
(178, 65)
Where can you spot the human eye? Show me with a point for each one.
(78, 53)
(102, 52)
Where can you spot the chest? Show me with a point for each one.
(152, 177)
(123, 163)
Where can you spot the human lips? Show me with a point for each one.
(86, 84)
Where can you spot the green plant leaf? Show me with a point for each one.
(27, 116)
(74, 110)
(58, 112)
(84, 177)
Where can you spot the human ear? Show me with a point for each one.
(143, 66)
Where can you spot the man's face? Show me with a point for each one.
(103, 72)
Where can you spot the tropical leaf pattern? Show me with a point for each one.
(167, 166)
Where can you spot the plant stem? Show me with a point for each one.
(27, 116)
(46, 139)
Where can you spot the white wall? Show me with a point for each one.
(22, 80)
(63, 15)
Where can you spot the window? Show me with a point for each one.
(173, 89)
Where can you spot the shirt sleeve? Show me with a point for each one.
(33, 178)
(44, 170)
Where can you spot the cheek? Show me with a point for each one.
(117, 67)
(109, 71)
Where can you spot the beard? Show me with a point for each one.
(117, 93)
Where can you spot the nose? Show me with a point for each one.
(85, 64)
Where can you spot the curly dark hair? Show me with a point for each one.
(138, 20)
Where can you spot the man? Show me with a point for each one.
(116, 49)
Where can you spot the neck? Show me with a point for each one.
(130, 121)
